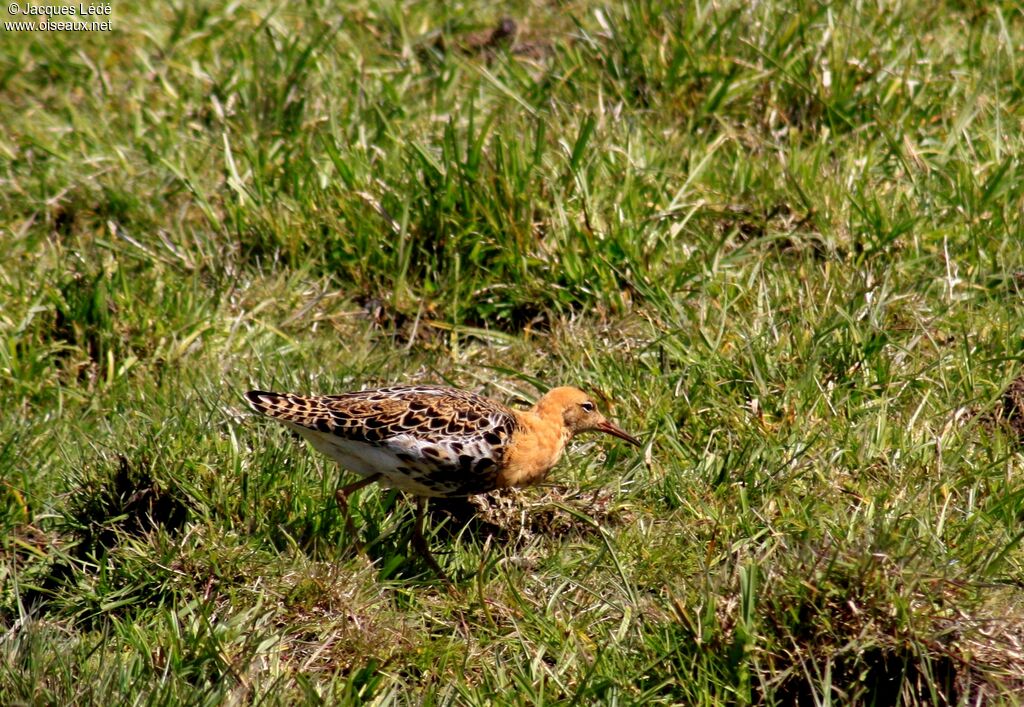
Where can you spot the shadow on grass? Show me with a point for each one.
(106, 508)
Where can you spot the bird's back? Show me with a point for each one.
(428, 440)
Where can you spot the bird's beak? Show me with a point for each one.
(609, 428)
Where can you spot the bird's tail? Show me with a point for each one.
(286, 407)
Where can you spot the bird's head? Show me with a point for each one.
(578, 413)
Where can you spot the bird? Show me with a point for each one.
(435, 441)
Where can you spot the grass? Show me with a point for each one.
(780, 241)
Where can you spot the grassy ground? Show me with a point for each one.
(782, 242)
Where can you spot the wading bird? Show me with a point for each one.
(433, 441)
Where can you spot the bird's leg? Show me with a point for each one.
(420, 543)
(341, 496)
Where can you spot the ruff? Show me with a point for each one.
(433, 441)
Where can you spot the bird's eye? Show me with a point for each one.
(587, 406)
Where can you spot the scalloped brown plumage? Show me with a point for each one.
(434, 441)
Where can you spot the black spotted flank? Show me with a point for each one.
(448, 441)
(473, 485)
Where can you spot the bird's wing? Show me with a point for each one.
(455, 439)
(429, 413)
